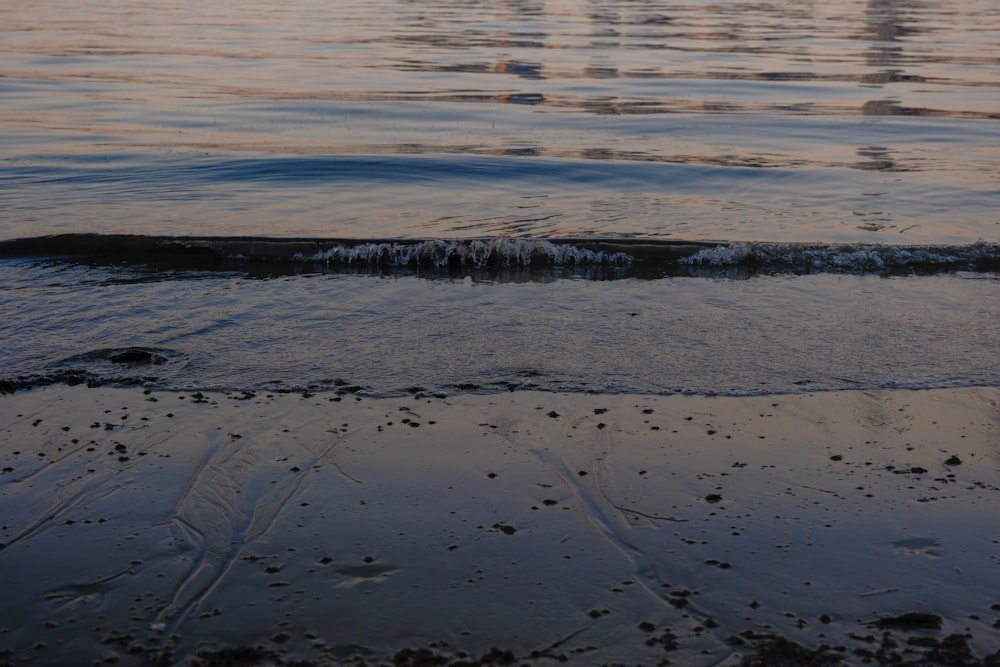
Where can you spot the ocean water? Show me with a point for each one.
(441, 196)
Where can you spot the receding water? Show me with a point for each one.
(406, 334)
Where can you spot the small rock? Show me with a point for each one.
(910, 621)
(135, 356)
(505, 528)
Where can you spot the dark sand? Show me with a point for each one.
(525, 528)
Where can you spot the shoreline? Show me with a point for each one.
(496, 257)
(515, 528)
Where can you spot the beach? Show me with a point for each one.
(535, 332)
(166, 527)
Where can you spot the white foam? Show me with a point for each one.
(841, 258)
(474, 253)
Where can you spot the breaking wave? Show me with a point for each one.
(850, 258)
(475, 253)
(597, 258)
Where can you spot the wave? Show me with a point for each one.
(594, 257)
(850, 258)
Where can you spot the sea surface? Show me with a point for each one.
(441, 196)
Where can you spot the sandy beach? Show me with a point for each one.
(444, 333)
(522, 528)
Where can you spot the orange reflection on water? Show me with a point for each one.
(788, 88)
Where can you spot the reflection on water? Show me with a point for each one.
(885, 28)
(308, 49)
(802, 90)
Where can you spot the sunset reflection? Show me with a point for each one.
(779, 87)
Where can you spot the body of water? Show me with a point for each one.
(405, 196)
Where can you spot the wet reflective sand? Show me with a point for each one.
(529, 528)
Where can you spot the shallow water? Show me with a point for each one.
(405, 334)
(850, 136)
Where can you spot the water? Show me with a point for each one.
(774, 121)
(399, 335)
(799, 149)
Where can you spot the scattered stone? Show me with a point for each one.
(136, 357)
(432, 657)
(782, 652)
(231, 657)
(913, 620)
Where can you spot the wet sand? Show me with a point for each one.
(522, 528)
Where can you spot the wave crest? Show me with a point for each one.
(847, 258)
(599, 258)
(475, 253)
